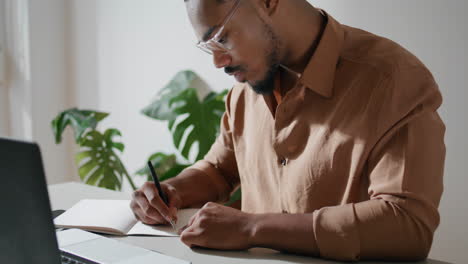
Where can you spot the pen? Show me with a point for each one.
(160, 191)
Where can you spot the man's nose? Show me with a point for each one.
(221, 59)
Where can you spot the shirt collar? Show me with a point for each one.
(319, 74)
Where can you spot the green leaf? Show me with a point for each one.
(237, 195)
(200, 121)
(99, 116)
(161, 108)
(95, 176)
(196, 121)
(79, 120)
(98, 162)
(165, 165)
(82, 155)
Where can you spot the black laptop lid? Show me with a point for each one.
(27, 234)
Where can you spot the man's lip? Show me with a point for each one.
(238, 75)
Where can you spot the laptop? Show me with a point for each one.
(27, 233)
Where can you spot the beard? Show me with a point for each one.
(266, 85)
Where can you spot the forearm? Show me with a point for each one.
(384, 231)
(284, 232)
(196, 188)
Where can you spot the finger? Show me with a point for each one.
(149, 216)
(189, 224)
(145, 211)
(191, 238)
(173, 209)
(145, 219)
(155, 201)
(182, 229)
(174, 203)
(192, 219)
(135, 207)
(139, 201)
(154, 214)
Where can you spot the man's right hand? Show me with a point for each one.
(149, 208)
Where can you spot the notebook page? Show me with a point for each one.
(183, 215)
(99, 215)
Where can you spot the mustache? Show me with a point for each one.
(231, 69)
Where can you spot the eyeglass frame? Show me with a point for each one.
(204, 45)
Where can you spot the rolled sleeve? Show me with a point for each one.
(405, 172)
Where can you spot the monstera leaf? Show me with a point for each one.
(98, 162)
(166, 166)
(192, 122)
(189, 118)
(79, 120)
(161, 108)
(199, 121)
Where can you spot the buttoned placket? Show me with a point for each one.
(282, 118)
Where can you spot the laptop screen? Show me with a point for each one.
(27, 234)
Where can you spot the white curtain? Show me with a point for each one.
(4, 105)
(15, 92)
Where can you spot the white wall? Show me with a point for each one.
(49, 82)
(124, 51)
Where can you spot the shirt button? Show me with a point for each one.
(283, 161)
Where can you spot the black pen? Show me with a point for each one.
(160, 191)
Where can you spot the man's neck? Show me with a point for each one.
(303, 37)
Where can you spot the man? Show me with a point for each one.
(332, 133)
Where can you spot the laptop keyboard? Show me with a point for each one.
(69, 258)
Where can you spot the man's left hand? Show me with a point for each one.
(219, 227)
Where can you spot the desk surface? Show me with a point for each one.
(63, 196)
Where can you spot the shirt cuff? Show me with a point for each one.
(335, 233)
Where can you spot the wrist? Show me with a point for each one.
(283, 232)
(193, 188)
(254, 230)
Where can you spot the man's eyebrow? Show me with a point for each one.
(208, 33)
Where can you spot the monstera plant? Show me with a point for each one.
(97, 158)
(193, 123)
(188, 117)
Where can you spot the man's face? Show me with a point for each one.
(254, 57)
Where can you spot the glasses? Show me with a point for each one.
(217, 43)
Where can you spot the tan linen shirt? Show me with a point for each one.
(357, 143)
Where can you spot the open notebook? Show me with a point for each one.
(115, 217)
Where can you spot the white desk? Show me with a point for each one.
(63, 196)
